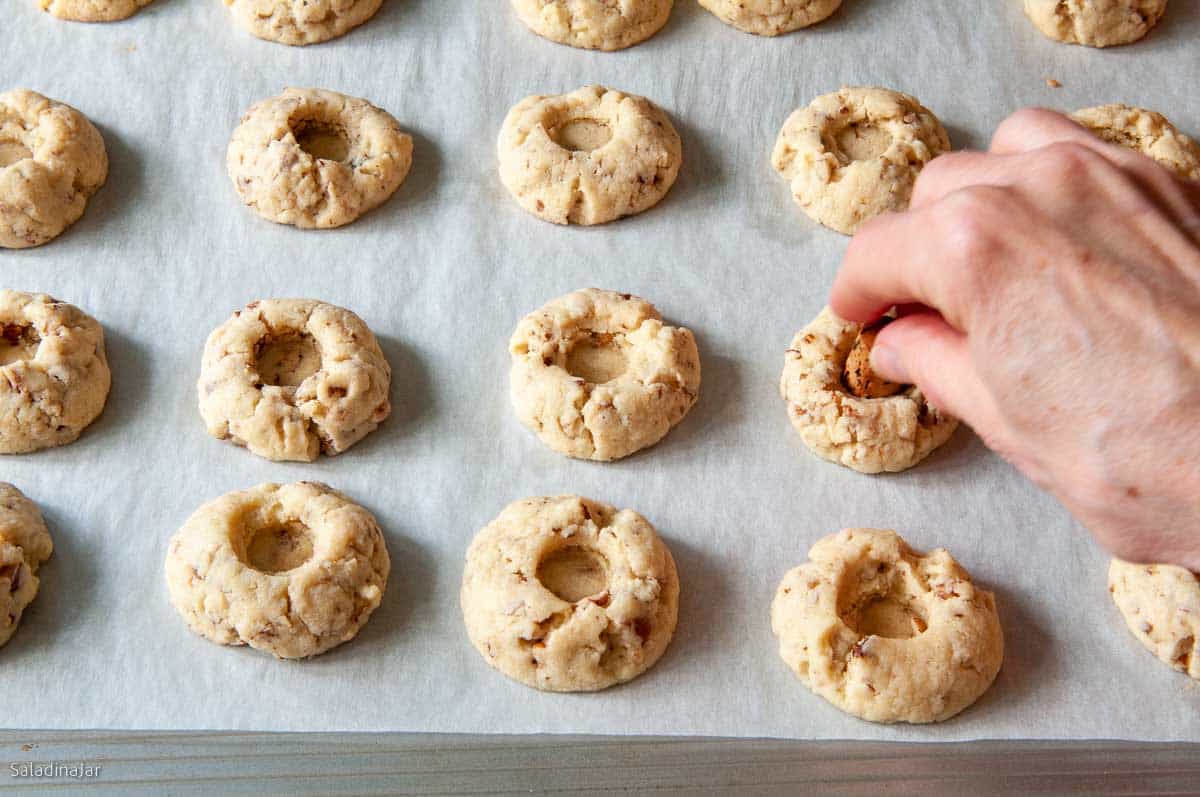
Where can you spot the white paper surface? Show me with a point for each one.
(442, 272)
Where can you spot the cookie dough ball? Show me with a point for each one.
(24, 544)
(597, 375)
(293, 378)
(51, 161)
(290, 569)
(567, 594)
(771, 17)
(317, 159)
(856, 153)
(847, 414)
(300, 22)
(1096, 23)
(885, 633)
(92, 10)
(588, 157)
(54, 376)
(594, 24)
(1161, 606)
(1146, 132)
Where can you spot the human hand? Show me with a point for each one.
(1048, 294)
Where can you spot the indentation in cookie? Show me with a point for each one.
(573, 573)
(278, 548)
(581, 135)
(861, 141)
(18, 342)
(321, 139)
(287, 360)
(12, 151)
(889, 617)
(598, 359)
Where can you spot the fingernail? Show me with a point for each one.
(885, 361)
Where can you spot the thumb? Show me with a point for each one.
(922, 349)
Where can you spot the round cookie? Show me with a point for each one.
(856, 153)
(1146, 132)
(597, 375)
(292, 569)
(300, 22)
(317, 159)
(292, 378)
(1095, 23)
(566, 594)
(771, 17)
(92, 10)
(54, 376)
(849, 417)
(52, 159)
(1161, 606)
(588, 157)
(594, 24)
(887, 634)
(24, 544)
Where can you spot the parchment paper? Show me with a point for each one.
(442, 272)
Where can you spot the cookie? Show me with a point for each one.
(317, 159)
(1146, 132)
(594, 24)
(884, 633)
(566, 594)
(52, 159)
(293, 378)
(92, 10)
(300, 22)
(24, 544)
(1095, 23)
(856, 153)
(54, 376)
(290, 569)
(588, 157)
(1161, 606)
(597, 375)
(771, 17)
(849, 416)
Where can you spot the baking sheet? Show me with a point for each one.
(442, 273)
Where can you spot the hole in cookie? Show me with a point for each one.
(862, 141)
(573, 573)
(287, 360)
(889, 617)
(278, 549)
(17, 343)
(322, 140)
(597, 359)
(12, 150)
(581, 135)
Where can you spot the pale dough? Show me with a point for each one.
(24, 544)
(856, 153)
(567, 594)
(597, 375)
(292, 378)
(54, 376)
(1161, 606)
(885, 633)
(1147, 132)
(588, 157)
(771, 17)
(52, 159)
(92, 10)
(292, 569)
(891, 433)
(594, 24)
(317, 159)
(1095, 23)
(300, 22)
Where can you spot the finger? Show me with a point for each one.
(882, 268)
(1034, 128)
(922, 349)
(948, 173)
